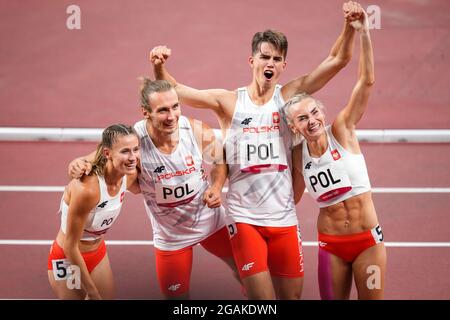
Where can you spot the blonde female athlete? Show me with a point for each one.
(329, 163)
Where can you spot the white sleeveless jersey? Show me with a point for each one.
(102, 217)
(258, 150)
(173, 186)
(337, 175)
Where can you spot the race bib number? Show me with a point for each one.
(231, 226)
(174, 195)
(60, 269)
(328, 181)
(377, 234)
(258, 152)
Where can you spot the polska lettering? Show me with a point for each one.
(261, 129)
(177, 173)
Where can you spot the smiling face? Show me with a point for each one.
(267, 65)
(165, 112)
(307, 118)
(124, 153)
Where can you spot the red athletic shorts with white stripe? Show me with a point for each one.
(274, 249)
(173, 268)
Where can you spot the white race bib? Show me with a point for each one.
(259, 152)
(60, 269)
(328, 181)
(103, 220)
(174, 195)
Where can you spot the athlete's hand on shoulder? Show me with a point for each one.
(212, 197)
(78, 167)
(159, 55)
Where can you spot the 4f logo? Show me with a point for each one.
(103, 204)
(247, 266)
(308, 165)
(159, 169)
(246, 121)
(174, 287)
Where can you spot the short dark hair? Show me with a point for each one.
(274, 37)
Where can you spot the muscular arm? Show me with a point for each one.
(213, 153)
(214, 99)
(339, 56)
(346, 121)
(297, 176)
(82, 200)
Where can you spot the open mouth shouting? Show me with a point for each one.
(268, 74)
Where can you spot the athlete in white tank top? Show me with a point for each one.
(173, 187)
(258, 151)
(89, 207)
(258, 197)
(335, 176)
(331, 166)
(103, 216)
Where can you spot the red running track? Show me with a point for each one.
(54, 77)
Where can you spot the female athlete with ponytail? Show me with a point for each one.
(78, 265)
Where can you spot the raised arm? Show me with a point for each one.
(82, 200)
(213, 99)
(338, 58)
(346, 121)
(298, 182)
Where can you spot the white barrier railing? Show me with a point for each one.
(94, 134)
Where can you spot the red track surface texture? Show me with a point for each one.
(54, 77)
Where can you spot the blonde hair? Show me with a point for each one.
(296, 99)
(109, 138)
(297, 138)
(148, 87)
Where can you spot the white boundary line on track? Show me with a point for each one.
(17, 242)
(374, 190)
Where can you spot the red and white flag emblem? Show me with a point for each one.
(276, 117)
(189, 161)
(335, 154)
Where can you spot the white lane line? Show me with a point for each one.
(5, 188)
(17, 242)
(20, 242)
(411, 190)
(31, 188)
